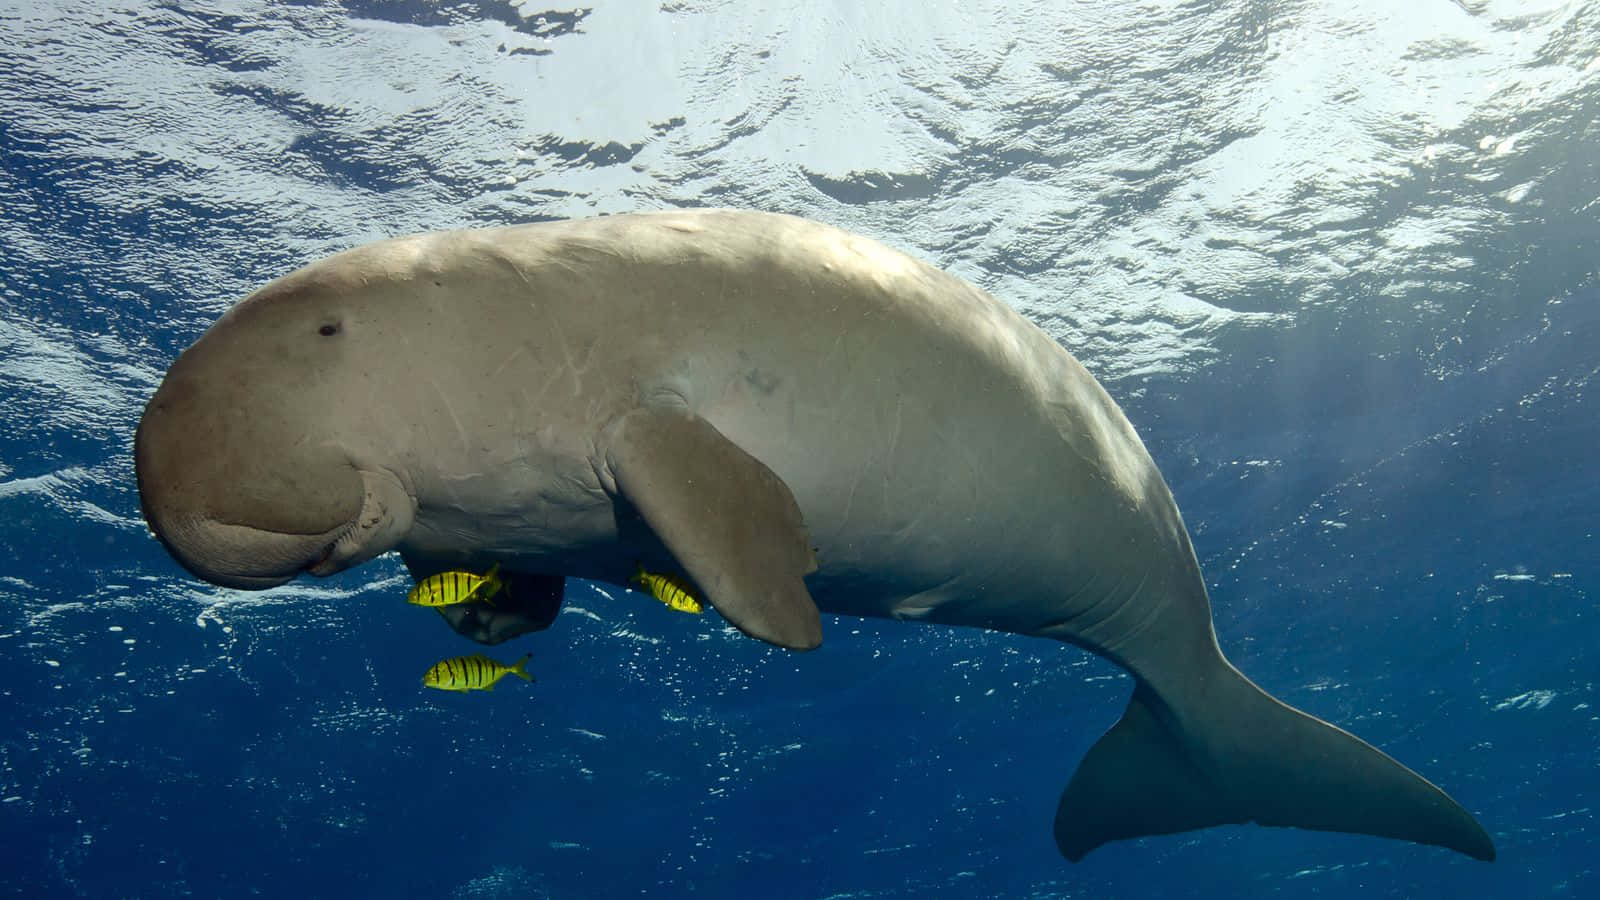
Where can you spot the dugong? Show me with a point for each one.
(798, 418)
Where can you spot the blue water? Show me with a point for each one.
(1337, 261)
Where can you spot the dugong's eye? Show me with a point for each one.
(329, 330)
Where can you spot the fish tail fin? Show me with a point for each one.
(519, 668)
(1242, 756)
(492, 584)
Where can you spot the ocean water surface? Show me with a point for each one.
(1339, 262)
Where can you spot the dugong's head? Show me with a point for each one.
(262, 454)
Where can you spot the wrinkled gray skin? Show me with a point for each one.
(796, 417)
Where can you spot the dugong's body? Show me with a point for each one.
(796, 417)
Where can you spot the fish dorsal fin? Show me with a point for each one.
(730, 521)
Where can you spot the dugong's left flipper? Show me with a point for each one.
(528, 603)
(730, 521)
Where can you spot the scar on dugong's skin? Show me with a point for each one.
(799, 418)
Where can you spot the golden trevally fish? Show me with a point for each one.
(450, 588)
(473, 673)
(673, 590)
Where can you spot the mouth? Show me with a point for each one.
(252, 558)
(321, 560)
(387, 512)
(340, 549)
(256, 571)
(242, 556)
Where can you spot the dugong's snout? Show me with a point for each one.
(199, 537)
(249, 507)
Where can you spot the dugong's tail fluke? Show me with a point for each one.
(1245, 757)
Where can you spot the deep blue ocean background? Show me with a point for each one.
(1337, 259)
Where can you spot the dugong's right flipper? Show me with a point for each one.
(730, 522)
(1230, 754)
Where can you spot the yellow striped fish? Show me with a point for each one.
(451, 588)
(673, 590)
(473, 673)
